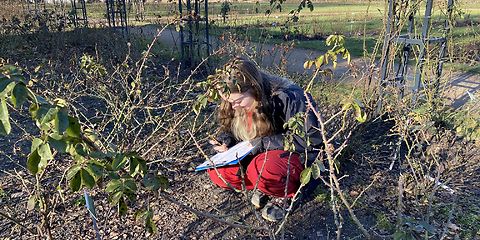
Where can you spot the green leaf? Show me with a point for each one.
(322, 166)
(329, 40)
(88, 133)
(76, 182)
(6, 85)
(337, 49)
(134, 167)
(98, 155)
(346, 55)
(33, 109)
(119, 162)
(361, 116)
(60, 102)
(39, 111)
(155, 182)
(95, 169)
(130, 185)
(305, 176)
(149, 224)
(73, 129)
(200, 103)
(346, 105)
(87, 179)
(49, 116)
(315, 171)
(163, 182)
(36, 142)
(122, 207)
(319, 61)
(5, 127)
(45, 152)
(17, 78)
(115, 197)
(57, 136)
(33, 161)
(59, 145)
(113, 185)
(141, 214)
(77, 157)
(137, 165)
(19, 95)
(308, 64)
(61, 121)
(32, 201)
(81, 150)
(42, 100)
(73, 171)
(10, 69)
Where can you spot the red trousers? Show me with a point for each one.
(273, 179)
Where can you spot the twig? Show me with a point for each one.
(263, 166)
(401, 189)
(329, 150)
(364, 190)
(17, 222)
(149, 49)
(280, 227)
(210, 216)
(163, 138)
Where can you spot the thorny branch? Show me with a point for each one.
(334, 182)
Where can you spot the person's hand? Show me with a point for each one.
(218, 147)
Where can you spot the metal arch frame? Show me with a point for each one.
(117, 14)
(407, 40)
(83, 20)
(78, 20)
(138, 8)
(38, 5)
(191, 50)
(191, 42)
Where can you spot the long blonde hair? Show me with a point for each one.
(241, 76)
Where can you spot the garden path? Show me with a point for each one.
(461, 85)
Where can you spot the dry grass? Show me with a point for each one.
(11, 8)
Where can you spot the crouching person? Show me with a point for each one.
(255, 107)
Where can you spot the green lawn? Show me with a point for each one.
(360, 21)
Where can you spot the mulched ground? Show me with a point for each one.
(365, 161)
(311, 220)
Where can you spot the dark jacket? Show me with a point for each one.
(286, 99)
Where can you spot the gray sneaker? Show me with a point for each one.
(259, 199)
(272, 212)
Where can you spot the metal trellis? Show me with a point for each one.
(139, 9)
(194, 35)
(117, 14)
(407, 42)
(79, 13)
(34, 7)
